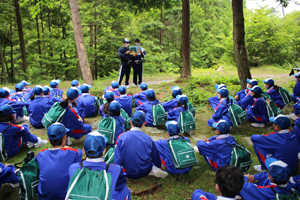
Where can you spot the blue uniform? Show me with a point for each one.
(72, 122)
(282, 145)
(54, 171)
(80, 108)
(89, 101)
(175, 113)
(140, 98)
(7, 174)
(217, 152)
(126, 103)
(296, 92)
(170, 105)
(166, 157)
(138, 67)
(296, 131)
(276, 97)
(119, 190)
(147, 109)
(221, 112)
(36, 110)
(258, 112)
(242, 94)
(246, 101)
(56, 92)
(110, 89)
(297, 108)
(17, 95)
(15, 136)
(52, 98)
(201, 195)
(136, 153)
(214, 101)
(16, 105)
(120, 127)
(125, 67)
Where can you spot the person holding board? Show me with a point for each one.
(138, 63)
(126, 62)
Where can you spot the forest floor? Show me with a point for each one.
(201, 176)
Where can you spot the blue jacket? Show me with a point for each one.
(243, 93)
(175, 113)
(7, 174)
(56, 92)
(282, 145)
(71, 119)
(80, 108)
(201, 195)
(16, 105)
(297, 107)
(120, 126)
(221, 112)
(296, 92)
(119, 190)
(140, 98)
(170, 105)
(126, 103)
(18, 95)
(296, 131)
(216, 152)
(214, 101)
(258, 111)
(246, 101)
(276, 97)
(136, 152)
(89, 102)
(123, 56)
(52, 98)
(147, 109)
(36, 110)
(166, 157)
(110, 89)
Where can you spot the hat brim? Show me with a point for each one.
(215, 125)
(272, 119)
(269, 161)
(58, 81)
(217, 86)
(264, 81)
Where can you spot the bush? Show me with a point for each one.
(227, 80)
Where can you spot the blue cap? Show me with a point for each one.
(126, 40)
(4, 92)
(138, 117)
(173, 127)
(253, 82)
(85, 88)
(122, 89)
(256, 89)
(54, 83)
(73, 92)
(109, 96)
(223, 91)
(57, 131)
(25, 83)
(150, 93)
(19, 87)
(114, 106)
(114, 84)
(281, 120)
(46, 90)
(278, 169)
(223, 126)
(94, 144)
(182, 99)
(143, 86)
(220, 86)
(297, 74)
(176, 91)
(74, 83)
(6, 109)
(37, 90)
(269, 81)
(11, 91)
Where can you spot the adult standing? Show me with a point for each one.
(138, 63)
(126, 62)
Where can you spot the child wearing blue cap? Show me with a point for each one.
(7, 174)
(221, 110)
(14, 135)
(246, 92)
(19, 94)
(141, 98)
(147, 107)
(56, 92)
(125, 100)
(182, 106)
(88, 100)
(75, 83)
(170, 105)
(114, 88)
(109, 97)
(162, 146)
(136, 151)
(54, 164)
(94, 148)
(296, 90)
(257, 112)
(71, 119)
(37, 107)
(214, 101)
(46, 90)
(217, 150)
(281, 144)
(272, 90)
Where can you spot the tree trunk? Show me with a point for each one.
(239, 43)
(20, 31)
(95, 48)
(78, 34)
(161, 30)
(38, 34)
(11, 53)
(91, 47)
(2, 64)
(42, 25)
(50, 36)
(186, 49)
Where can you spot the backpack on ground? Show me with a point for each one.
(107, 126)
(109, 156)
(186, 122)
(55, 114)
(85, 184)
(124, 114)
(98, 103)
(183, 154)
(286, 96)
(3, 153)
(272, 109)
(237, 114)
(293, 196)
(191, 108)
(159, 115)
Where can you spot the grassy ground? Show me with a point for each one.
(201, 176)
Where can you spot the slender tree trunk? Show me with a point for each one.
(42, 25)
(20, 31)
(161, 30)
(81, 50)
(239, 43)
(38, 34)
(186, 49)
(95, 48)
(2, 64)
(11, 53)
(50, 36)
(91, 47)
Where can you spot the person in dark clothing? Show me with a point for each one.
(126, 62)
(138, 63)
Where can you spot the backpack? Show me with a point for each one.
(55, 114)
(85, 184)
(107, 126)
(109, 156)
(159, 115)
(3, 153)
(98, 103)
(191, 108)
(293, 196)
(183, 154)
(265, 95)
(272, 109)
(124, 114)
(186, 122)
(24, 108)
(286, 96)
(237, 114)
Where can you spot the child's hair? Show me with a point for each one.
(18, 90)
(179, 104)
(32, 97)
(106, 107)
(6, 118)
(56, 142)
(65, 102)
(173, 95)
(110, 113)
(256, 95)
(151, 99)
(276, 87)
(136, 124)
(93, 152)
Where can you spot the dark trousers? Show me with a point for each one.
(125, 69)
(137, 71)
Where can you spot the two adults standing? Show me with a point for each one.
(128, 61)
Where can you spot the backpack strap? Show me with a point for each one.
(81, 165)
(273, 190)
(107, 167)
(6, 129)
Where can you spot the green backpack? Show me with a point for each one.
(286, 96)
(24, 108)
(127, 119)
(265, 95)
(186, 122)
(98, 103)
(107, 126)
(85, 184)
(159, 115)
(109, 156)
(55, 114)
(293, 196)
(272, 109)
(183, 154)
(191, 108)
(3, 153)
(237, 114)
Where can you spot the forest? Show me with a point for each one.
(49, 50)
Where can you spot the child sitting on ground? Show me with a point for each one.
(272, 90)
(141, 98)
(170, 105)
(109, 97)
(125, 100)
(56, 92)
(88, 100)
(114, 88)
